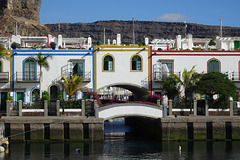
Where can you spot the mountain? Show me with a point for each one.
(23, 12)
(150, 29)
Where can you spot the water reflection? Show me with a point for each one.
(120, 149)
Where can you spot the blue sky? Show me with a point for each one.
(207, 12)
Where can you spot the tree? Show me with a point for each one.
(170, 88)
(188, 82)
(71, 84)
(3, 54)
(42, 61)
(215, 83)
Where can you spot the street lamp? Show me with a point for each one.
(62, 80)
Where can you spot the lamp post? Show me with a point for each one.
(62, 80)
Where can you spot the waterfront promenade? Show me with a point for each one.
(78, 128)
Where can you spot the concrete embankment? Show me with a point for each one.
(54, 128)
(189, 128)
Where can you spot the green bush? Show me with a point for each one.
(46, 96)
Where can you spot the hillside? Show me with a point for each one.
(143, 29)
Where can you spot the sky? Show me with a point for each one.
(207, 12)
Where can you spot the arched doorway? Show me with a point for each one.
(54, 91)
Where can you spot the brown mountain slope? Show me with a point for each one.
(143, 29)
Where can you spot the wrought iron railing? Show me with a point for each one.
(28, 77)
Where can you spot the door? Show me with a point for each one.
(53, 93)
(20, 96)
(3, 101)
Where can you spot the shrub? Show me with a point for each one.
(46, 96)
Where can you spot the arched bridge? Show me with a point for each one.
(129, 109)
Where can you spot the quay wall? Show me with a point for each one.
(54, 128)
(188, 128)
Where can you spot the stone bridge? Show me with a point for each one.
(129, 109)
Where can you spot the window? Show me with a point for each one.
(108, 63)
(169, 64)
(79, 69)
(213, 66)
(136, 63)
(35, 95)
(29, 70)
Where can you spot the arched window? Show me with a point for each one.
(213, 66)
(108, 64)
(1, 66)
(136, 63)
(35, 95)
(29, 70)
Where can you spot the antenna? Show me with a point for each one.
(133, 32)
(16, 29)
(59, 27)
(185, 26)
(104, 37)
(221, 27)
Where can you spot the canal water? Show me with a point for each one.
(122, 143)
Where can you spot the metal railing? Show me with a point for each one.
(4, 77)
(160, 76)
(28, 78)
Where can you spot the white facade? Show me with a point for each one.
(225, 62)
(119, 71)
(62, 63)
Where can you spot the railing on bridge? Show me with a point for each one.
(130, 109)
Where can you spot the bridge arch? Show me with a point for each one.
(129, 109)
(138, 91)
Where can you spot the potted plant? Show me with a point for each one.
(14, 45)
(53, 45)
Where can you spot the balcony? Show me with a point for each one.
(160, 76)
(4, 77)
(27, 78)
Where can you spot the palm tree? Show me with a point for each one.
(71, 85)
(42, 61)
(3, 54)
(189, 79)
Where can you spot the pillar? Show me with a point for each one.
(45, 108)
(8, 108)
(170, 107)
(58, 107)
(83, 108)
(20, 108)
(231, 107)
(195, 107)
(96, 107)
(206, 108)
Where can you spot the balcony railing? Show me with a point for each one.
(4, 77)
(159, 76)
(27, 78)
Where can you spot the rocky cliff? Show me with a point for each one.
(143, 29)
(25, 13)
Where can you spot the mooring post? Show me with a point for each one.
(58, 107)
(45, 108)
(8, 108)
(195, 107)
(83, 108)
(170, 107)
(231, 107)
(96, 107)
(20, 108)
(206, 108)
